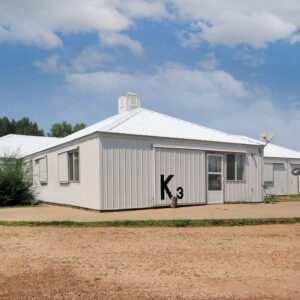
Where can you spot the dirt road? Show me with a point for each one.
(247, 262)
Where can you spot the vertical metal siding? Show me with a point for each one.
(182, 164)
(280, 179)
(127, 175)
(268, 172)
(249, 190)
(131, 173)
(279, 185)
(293, 180)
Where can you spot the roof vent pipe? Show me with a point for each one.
(128, 102)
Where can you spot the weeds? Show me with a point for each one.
(155, 223)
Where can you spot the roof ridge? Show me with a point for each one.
(244, 137)
(129, 116)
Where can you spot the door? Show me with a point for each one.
(214, 178)
(179, 173)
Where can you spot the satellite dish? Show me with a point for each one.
(296, 171)
(266, 136)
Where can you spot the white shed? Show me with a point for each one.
(279, 162)
(139, 158)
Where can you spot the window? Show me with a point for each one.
(214, 173)
(236, 166)
(73, 163)
(42, 168)
(240, 166)
(230, 166)
(28, 169)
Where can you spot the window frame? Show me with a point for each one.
(235, 168)
(73, 166)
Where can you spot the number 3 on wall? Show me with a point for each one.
(179, 192)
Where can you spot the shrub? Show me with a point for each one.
(15, 182)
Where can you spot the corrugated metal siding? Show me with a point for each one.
(293, 180)
(268, 173)
(280, 179)
(279, 186)
(127, 174)
(249, 190)
(188, 168)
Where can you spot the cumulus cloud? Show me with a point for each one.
(295, 38)
(227, 22)
(233, 28)
(38, 23)
(209, 63)
(145, 9)
(30, 35)
(89, 59)
(247, 58)
(116, 39)
(164, 83)
(50, 65)
(211, 98)
(231, 22)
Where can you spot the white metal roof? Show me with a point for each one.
(272, 150)
(23, 145)
(149, 123)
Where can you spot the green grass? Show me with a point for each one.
(154, 223)
(288, 198)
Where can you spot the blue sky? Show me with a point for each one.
(222, 64)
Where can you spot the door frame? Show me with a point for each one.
(222, 174)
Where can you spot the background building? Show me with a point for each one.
(279, 163)
(22, 145)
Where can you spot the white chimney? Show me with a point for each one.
(128, 102)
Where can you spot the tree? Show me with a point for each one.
(23, 126)
(15, 181)
(78, 127)
(63, 129)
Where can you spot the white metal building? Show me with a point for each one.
(279, 162)
(22, 145)
(140, 158)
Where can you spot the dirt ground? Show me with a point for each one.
(46, 212)
(249, 262)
